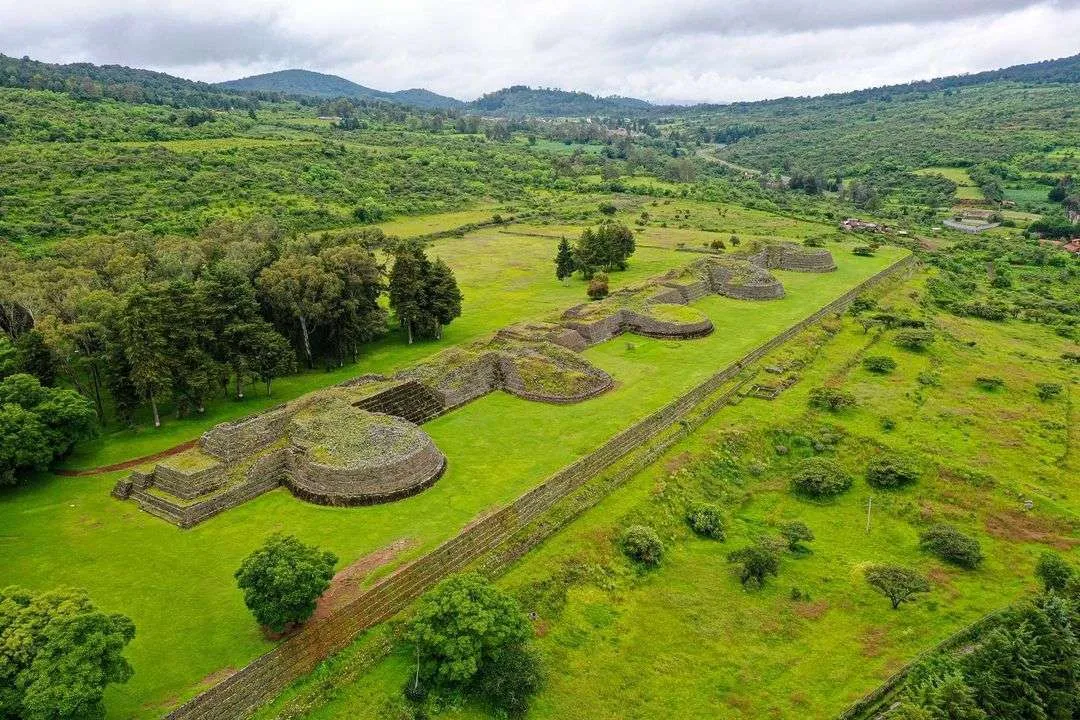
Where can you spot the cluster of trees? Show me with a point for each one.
(58, 652)
(607, 247)
(1025, 664)
(137, 320)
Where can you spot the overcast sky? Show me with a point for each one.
(676, 51)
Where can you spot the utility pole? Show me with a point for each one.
(869, 503)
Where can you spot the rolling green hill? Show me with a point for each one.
(314, 84)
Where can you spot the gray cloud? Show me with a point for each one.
(671, 51)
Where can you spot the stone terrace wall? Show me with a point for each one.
(410, 400)
(239, 695)
(232, 441)
(188, 485)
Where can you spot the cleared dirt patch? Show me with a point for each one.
(128, 464)
(812, 610)
(1024, 527)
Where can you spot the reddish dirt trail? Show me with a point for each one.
(127, 464)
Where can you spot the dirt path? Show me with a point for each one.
(128, 464)
(346, 584)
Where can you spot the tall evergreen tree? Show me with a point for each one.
(564, 260)
(443, 296)
(407, 287)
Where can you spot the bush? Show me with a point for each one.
(914, 339)
(598, 287)
(1053, 571)
(951, 545)
(880, 364)
(756, 563)
(863, 251)
(706, 520)
(831, 399)
(891, 471)
(607, 208)
(283, 579)
(819, 477)
(642, 544)
(989, 383)
(795, 532)
(1047, 390)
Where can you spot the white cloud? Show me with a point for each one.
(671, 51)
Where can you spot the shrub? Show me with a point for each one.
(607, 208)
(819, 477)
(1053, 571)
(831, 399)
(756, 563)
(707, 520)
(862, 304)
(642, 544)
(914, 339)
(951, 545)
(283, 579)
(880, 364)
(990, 383)
(899, 584)
(717, 244)
(598, 287)
(891, 471)
(795, 532)
(863, 251)
(1047, 390)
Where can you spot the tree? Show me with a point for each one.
(510, 679)
(300, 289)
(38, 423)
(58, 652)
(283, 579)
(1047, 390)
(706, 519)
(359, 317)
(891, 471)
(951, 545)
(462, 626)
(145, 347)
(443, 296)
(831, 399)
(407, 284)
(598, 287)
(879, 364)
(819, 477)
(795, 532)
(22, 443)
(269, 356)
(564, 260)
(899, 584)
(423, 294)
(914, 339)
(756, 562)
(642, 544)
(34, 357)
(1053, 571)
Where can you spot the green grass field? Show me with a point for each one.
(177, 585)
(965, 188)
(687, 641)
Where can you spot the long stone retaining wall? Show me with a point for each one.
(242, 693)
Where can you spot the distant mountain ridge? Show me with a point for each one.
(315, 84)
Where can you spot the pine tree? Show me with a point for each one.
(443, 296)
(407, 285)
(564, 260)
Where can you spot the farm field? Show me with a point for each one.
(965, 188)
(687, 640)
(69, 530)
